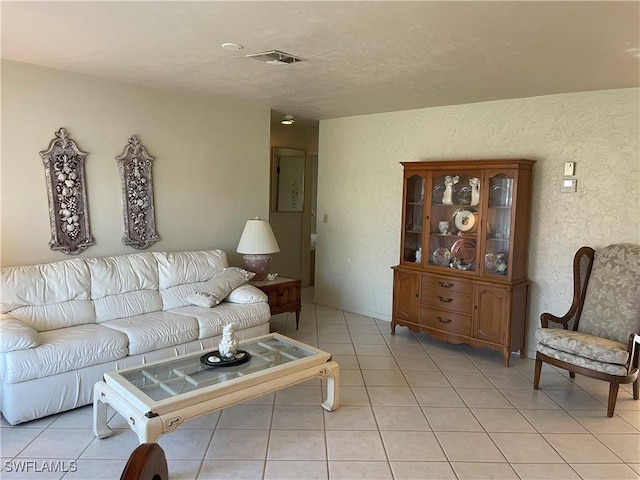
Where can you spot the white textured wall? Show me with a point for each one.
(360, 187)
(211, 171)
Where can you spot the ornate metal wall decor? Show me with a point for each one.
(137, 195)
(68, 212)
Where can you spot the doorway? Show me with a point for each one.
(313, 160)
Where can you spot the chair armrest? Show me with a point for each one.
(634, 351)
(545, 318)
(16, 335)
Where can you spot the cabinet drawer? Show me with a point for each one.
(284, 296)
(449, 301)
(446, 321)
(454, 285)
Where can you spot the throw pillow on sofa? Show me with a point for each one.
(202, 299)
(247, 294)
(220, 285)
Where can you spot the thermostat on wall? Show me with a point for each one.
(569, 168)
(569, 185)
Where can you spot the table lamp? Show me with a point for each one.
(256, 245)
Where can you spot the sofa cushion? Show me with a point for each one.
(212, 320)
(48, 296)
(63, 350)
(127, 304)
(612, 302)
(16, 335)
(182, 273)
(152, 331)
(124, 286)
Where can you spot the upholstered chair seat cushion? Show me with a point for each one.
(583, 350)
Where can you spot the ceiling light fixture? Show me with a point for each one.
(287, 120)
(231, 46)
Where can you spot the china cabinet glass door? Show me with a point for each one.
(454, 220)
(498, 225)
(413, 217)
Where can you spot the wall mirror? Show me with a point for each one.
(287, 180)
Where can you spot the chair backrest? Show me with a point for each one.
(612, 302)
(147, 462)
(582, 264)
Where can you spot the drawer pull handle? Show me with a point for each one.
(445, 300)
(443, 320)
(446, 285)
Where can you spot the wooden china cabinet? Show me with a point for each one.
(462, 275)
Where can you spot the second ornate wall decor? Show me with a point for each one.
(68, 212)
(137, 195)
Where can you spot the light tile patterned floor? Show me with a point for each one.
(411, 408)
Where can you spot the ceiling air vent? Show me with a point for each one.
(276, 57)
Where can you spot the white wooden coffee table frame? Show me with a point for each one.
(150, 419)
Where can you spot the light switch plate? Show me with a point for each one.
(569, 185)
(569, 168)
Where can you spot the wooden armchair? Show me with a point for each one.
(599, 337)
(147, 462)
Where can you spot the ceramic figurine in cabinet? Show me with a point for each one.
(475, 190)
(449, 182)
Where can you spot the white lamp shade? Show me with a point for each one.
(257, 238)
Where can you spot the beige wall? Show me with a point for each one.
(360, 187)
(211, 171)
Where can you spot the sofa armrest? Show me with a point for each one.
(15, 335)
(246, 294)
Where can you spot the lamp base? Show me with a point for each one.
(259, 264)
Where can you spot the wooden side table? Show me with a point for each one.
(284, 295)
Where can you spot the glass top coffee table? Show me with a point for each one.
(158, 397)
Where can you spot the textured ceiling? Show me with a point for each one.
(363, 57)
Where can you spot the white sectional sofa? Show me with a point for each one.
(64, 324)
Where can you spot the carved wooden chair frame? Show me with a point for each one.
(582, 264)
